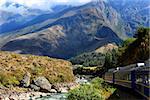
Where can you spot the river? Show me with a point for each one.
(120, 94)
(63, 96)
(58, 96)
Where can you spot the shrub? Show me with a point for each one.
(85, 92)
(97, 90)
(8, 79)
(97, 80)
(128, 42)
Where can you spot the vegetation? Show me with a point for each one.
(128, 41)
(137, 51)
(88, 71)
(133, 50)
(91, 59)
(14, 66)
(111, 59)
(104, 56)
(97, 90)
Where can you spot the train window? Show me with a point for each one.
(129, 77)
(139, 78)
(146, 79)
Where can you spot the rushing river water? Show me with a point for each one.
(58, 96)
(63, 96)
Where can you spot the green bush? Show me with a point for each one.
(97, 80)
(97, 90)
(7, 79)
(128, 42)
(85, 92)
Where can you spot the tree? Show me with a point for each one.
(138, 51)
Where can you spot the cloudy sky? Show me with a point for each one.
(43, 4)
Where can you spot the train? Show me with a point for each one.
(135, 77)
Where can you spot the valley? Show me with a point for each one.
(69, 50)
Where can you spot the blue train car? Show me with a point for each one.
(135, 77)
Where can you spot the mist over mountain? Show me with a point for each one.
(71, 30)
(14, 16)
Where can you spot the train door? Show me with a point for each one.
(133, 79)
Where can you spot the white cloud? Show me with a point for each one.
(43, 3)
(39, 4)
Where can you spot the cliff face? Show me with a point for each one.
(135, 13)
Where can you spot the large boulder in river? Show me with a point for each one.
(25, 82)
(43, 83)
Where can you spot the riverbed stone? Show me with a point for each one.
(53, 91)
(34, 87)
(63, 90)
(25, 82)
(43, 83)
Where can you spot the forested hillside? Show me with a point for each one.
(138, 51)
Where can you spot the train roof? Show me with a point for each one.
(142, 69)
(147, 63)
(129, 68)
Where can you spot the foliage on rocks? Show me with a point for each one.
(14, 66)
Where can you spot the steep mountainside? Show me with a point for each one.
(76, 30)
(135, 13)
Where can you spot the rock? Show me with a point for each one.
(63, 90)
(53, 91)
(43, 83)
(25, 82)
(64, 87)
(13, 97)
(34, 87)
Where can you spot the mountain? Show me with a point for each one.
(68, 33)
(59, 8)
(72, 30)
(135, 13)
(14, 16)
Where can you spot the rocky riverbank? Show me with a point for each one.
(18, 93)
(39, 88)
(26, 75)
(23, 95)
(44, 89)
